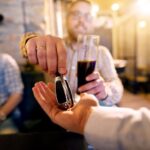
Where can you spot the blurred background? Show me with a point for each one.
(123, 26)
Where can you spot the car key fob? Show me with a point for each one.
(63, 92)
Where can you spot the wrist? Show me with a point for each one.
(103, 99)
(85, 119)
(24, 39)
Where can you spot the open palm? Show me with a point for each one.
(73, 119)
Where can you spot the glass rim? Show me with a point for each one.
(83, 37)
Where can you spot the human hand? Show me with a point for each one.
(73, 119)
(95, 86)
(49, 52)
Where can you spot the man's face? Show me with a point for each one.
(79, 19)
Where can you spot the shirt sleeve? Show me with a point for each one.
(12, 75)
(107, 70)
(119, 128)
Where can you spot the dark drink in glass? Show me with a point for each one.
(84, 68)
(86, 57)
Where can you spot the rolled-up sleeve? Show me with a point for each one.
(13, 80)
(106, 68)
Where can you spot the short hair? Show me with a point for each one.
(77, 1)
(72, 3)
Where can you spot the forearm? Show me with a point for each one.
(114, 91)
(11, 103)
(119, 128)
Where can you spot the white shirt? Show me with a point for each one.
(106, 68)
(118, 129)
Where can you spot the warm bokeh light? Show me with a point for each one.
(59, 23)
(143, 7)
(115, 7)
(142, 24)
(95, 9)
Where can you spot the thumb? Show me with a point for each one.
(89, 99)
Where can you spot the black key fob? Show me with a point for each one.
(63, 93)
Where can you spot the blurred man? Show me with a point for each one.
(104, 83)
(11, 89)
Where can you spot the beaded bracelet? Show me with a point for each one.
(23, 41)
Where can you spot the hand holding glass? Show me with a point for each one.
(87, 56)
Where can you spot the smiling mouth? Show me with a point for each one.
(80, 28)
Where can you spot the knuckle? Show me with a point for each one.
(100, 81)
(41, 54)
(32, 40)
(32, 60)
(31, 54)
(97, 82)
(96, 73)
(97, 89)
(58, 39)
(48, 36)
(50, 39)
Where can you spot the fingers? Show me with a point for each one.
(46, 99)
(56, 55)
(94, 80)
(47, 93)
(93, 76)
(61, 51)
(96, 86)
(101, 95)
(49, 52)
(91, 85)
(51, 55)
(39, 99)
(31, 51)
(43, 93)
(36, 50)
(73, 119)
(41, 52)
(95, 90)
(51, 86)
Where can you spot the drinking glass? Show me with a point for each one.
(86, 56)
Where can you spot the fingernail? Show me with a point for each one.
(79, 89)
(36, 83)
(40, 83)
(87, 78)
(62, 71)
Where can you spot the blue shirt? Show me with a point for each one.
(10, 79)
